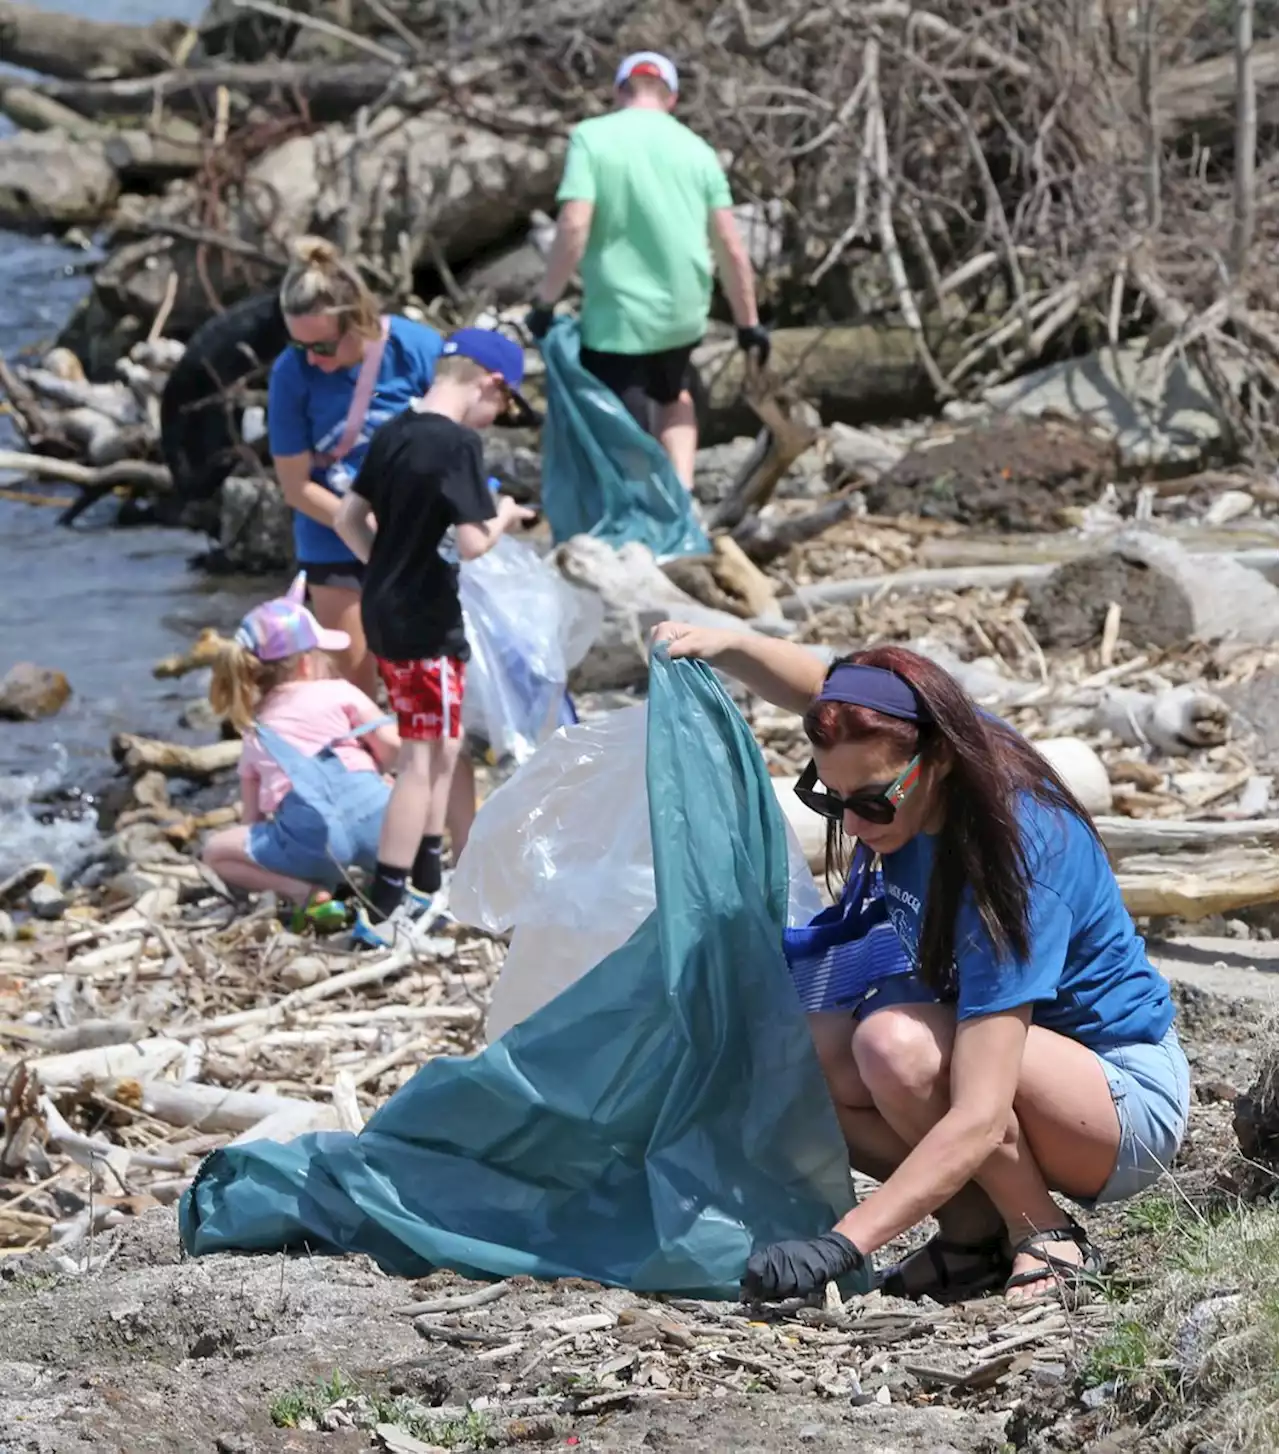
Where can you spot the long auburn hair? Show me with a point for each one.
(980, 846)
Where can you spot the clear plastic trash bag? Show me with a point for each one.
(647, 1128)
(537, 860)
(602, 475)
(527, 628)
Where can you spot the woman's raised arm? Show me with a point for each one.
(781, 672)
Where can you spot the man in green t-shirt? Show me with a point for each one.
(643, 205)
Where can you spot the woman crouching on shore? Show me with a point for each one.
(1036, 1053)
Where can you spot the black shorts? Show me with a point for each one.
(343, 575)
(662, 377)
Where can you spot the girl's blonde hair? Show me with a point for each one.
(321, 280)
(241, 681)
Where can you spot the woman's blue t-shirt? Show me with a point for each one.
(307, 411)
(1087, 975)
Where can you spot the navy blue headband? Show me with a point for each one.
(875, 688)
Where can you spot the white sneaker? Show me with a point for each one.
(405, 928)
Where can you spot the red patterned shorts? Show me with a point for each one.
(426, 696)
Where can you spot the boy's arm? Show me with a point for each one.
(355, 526)
(479, 518)
(475, 540)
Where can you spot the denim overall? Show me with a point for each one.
(330, 818)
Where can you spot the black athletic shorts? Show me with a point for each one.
(662, 377)
(345, 575)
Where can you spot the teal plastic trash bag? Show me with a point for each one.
(646, 1128)
(602, 474)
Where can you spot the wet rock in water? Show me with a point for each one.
(198, 716)
(256, 528)
(45, 181)
(47, 901)
(1069, 609)
(1011, 475)
(29, 691)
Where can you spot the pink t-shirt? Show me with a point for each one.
(308, 715)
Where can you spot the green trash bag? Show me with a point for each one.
(647, 1128)
(602, 475)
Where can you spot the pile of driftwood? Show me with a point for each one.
(958, 191)
(99, 438)
(135, 1041)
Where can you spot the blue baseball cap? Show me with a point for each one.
(500, 355)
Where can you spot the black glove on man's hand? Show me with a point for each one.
(755, 340)
(795, 1269)
(538, 320)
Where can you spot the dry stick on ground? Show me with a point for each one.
(1150, 117)
(1244, 198)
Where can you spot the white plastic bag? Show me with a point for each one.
(527, 627)
(562, 852)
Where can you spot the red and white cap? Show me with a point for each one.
(649, 63)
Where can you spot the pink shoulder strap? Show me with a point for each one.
(366, 382)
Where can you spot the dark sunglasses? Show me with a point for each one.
(873, 805)
(325, 348)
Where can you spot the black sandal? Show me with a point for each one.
(1071, 1282)
(994, 1266)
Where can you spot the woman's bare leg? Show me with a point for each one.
(338, 609)
(876, 1149)
(1063, 1107)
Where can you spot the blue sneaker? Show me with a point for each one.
(408, 926)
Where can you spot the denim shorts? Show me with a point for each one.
(300, 842)
(1151, 1090)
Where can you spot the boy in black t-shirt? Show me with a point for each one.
(420, 503)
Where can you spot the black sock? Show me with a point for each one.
(387, 890)
(428, 866)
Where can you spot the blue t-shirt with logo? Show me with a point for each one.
(1087, 975)
(307, 411)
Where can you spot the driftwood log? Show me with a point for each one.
(725, 580)
(1198, 886)
(145, 754)
(1199, 100)
(636, 595)
(55, 44)
(850, 372)
(328, 92)
(204, 652)
(964, 578)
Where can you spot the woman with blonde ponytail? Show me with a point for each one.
(348, 370)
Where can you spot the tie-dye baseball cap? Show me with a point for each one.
(284, 627)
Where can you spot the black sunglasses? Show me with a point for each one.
(873, 805)
(325, 348)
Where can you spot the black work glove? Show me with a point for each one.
(755, 340)
(539, 319)
(795, 1269)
